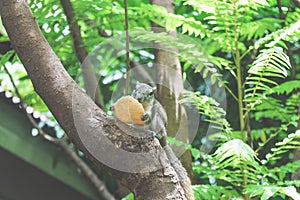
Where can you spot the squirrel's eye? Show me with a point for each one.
(151, 93)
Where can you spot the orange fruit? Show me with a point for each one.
(128, 110)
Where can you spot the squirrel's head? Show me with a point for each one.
(143, 93)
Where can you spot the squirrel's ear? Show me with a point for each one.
(137, 83)
(154, 89)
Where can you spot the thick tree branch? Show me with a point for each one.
(90, 129)
(89, 77)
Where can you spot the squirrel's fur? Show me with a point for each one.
(155, 114)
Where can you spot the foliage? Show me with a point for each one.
(209, 107)
(235, 158)
(211, 192)
(235, 162)
(246, 46)
(270, 63)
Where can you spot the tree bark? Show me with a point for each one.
(83, 121)
(170, 85)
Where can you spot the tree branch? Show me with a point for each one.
(89, 128)
(89, 77)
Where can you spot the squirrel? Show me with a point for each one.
(156, 117)
(143, 109)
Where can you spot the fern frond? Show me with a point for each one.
(207, 6)
(225, 19)
(293, 105)
(222, 24)
(209, 107)
(273, 108)
(290, 34)
(286, 87)
(172, 21)
(287, 144)
(189, 50)
(237, 155)
(282, 171)
(189, 25)
(270, 63)
(270, 108)
(292, 17)
(259, 28)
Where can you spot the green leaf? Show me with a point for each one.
(130, 196)
(5, 58)
(269, 63)
(290, 191)
(195, 153)
(233, 153)
(268, 192)
(287, 87)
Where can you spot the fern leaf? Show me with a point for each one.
(286, 87)
(237, 155)
(293, 17)
(208, 107)
(271, 108)
(234, 153)
(293, 105)
(259, 28)
(290, 34)
(287, 144)
(207, 6)
(189, 50)
(270, 63)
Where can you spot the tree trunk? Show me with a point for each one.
(146, 170)
(170, 85)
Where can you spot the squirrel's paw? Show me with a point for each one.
(111, 107)
(153, 134)
(145, 117)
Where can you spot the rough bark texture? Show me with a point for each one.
(67, 102)
(170, 85)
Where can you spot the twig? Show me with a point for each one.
(32, 121)
(127, 48)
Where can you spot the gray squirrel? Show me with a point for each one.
(155, 114)
(156, 118)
